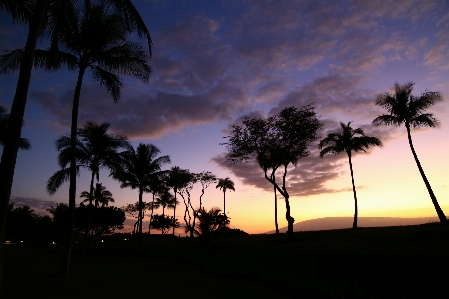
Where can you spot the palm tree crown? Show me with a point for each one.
(347, 140)
(101, 196)
(404, 108)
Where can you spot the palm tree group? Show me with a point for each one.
(78, 28)
(136, 170)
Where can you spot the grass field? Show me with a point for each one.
(390, 262)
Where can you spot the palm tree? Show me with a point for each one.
(176, 179)
(346, 139)
(96, 149)
(101, 196)
(4, 121)
(50, 15)
(225, 184)
(404, 108)
(137, 168)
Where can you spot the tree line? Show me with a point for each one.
(92, 36)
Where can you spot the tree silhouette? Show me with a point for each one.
(176, 179)
(156, 186)
(404, 108)
(100, 196)
(210, 223)
(279, 140)
(4, 121)
(167, 201)
(136, 170)
(348, 140)
(50, 15)
(205, 178)
(190, 179)
(225, 184)
(96, 148)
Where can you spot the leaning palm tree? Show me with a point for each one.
(101, 196)
(136, 170)
(225, 184)
(404, 108)
(348, 140)
(4, 121)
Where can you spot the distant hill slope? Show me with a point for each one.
(346, 222)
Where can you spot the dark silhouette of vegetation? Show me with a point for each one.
(205, 178)
(96, 149)
(164, 223)
(23, 225)
(279, 140)
(100, 196)
(156, 186)
(405, 109)
(189, 213)
(176, 179)
(136, 170)
(210, 223)
(104, 220)
(348, 140)
(4, 121)
(225, 184)
(49, 17)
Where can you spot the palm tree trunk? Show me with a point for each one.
(275, 205)
(89, 218)
(151, 217)
(64, 269)
(14, 131)
(438, 209)
(356, 211)
(174, 213)
(224, 201)
(140, 212)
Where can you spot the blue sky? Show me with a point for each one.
(217, 61)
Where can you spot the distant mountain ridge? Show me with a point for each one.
(346, 222)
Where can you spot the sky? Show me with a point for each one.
(215, 62)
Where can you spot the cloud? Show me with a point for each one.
(145, 115)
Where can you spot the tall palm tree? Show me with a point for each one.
(51, 16)
(347, 140)
(404, 108)
(101, 196)
(225, 184)
(4, 121)
(176, 179)
(96, 149)
(137, 168)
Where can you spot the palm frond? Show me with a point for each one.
(58, 178)
(388, 120)
(111, 81)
